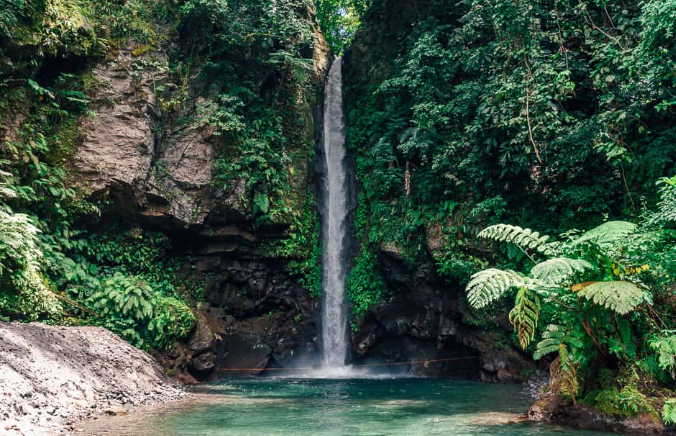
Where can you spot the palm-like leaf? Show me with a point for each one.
(619, 296)
(560, 270)
(490, 284)
(526, 239)
(607, 235)
(552, 338)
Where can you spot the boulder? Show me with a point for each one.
(202, 337)
(245, 351)
(554, 408)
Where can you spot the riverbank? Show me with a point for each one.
(53, 377)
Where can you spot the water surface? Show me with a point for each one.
(290, 407)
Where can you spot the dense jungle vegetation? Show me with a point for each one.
(554, 116)
(471, 123)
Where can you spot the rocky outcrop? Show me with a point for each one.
(51, 377)
(254, 316)
(156, 169)
(154, 172)
(422, 319)
(118, 148)
(555, 408)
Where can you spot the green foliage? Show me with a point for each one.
(173, 320)
(339, 20)
(365, 283)
(123, 296)
(552, 338)
(26, 292)
(130, 308)
(624, 403)
(560, 271)
(491, 284)
(607, 235)
(599, 305)
(526, 239)
(665, 348)
(559, 114)
(525, 315)
(302, 248)
(666, 212)
(669, 412)
(618, 296)
(255, 64)
(63, 269)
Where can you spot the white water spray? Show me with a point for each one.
(334, 317)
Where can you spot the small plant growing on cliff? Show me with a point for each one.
(173, 320)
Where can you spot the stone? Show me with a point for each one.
(115, 411)
(245, 350)
(204, 363)
(202, 337)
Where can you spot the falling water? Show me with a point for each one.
(334, 321)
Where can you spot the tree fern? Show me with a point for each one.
(525, 314)
(490, 284)
(560, 270)
(526, 239)
(608, 234)
(618, 296)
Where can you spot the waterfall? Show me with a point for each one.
(334, 216)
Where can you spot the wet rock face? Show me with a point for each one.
(421, 320)
(268, 317)
(203, 345)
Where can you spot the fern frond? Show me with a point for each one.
(608, 234)
(546, 347)
(559, 270)
(618, 296)
(554, 331)
(553, 337)
(563, 374)
(490, 284)
(526, 239)
(525, 314)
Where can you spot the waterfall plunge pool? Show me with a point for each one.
(346, 407)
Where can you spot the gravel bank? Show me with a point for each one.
(53, 377)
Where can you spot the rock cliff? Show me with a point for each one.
(156, 172)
